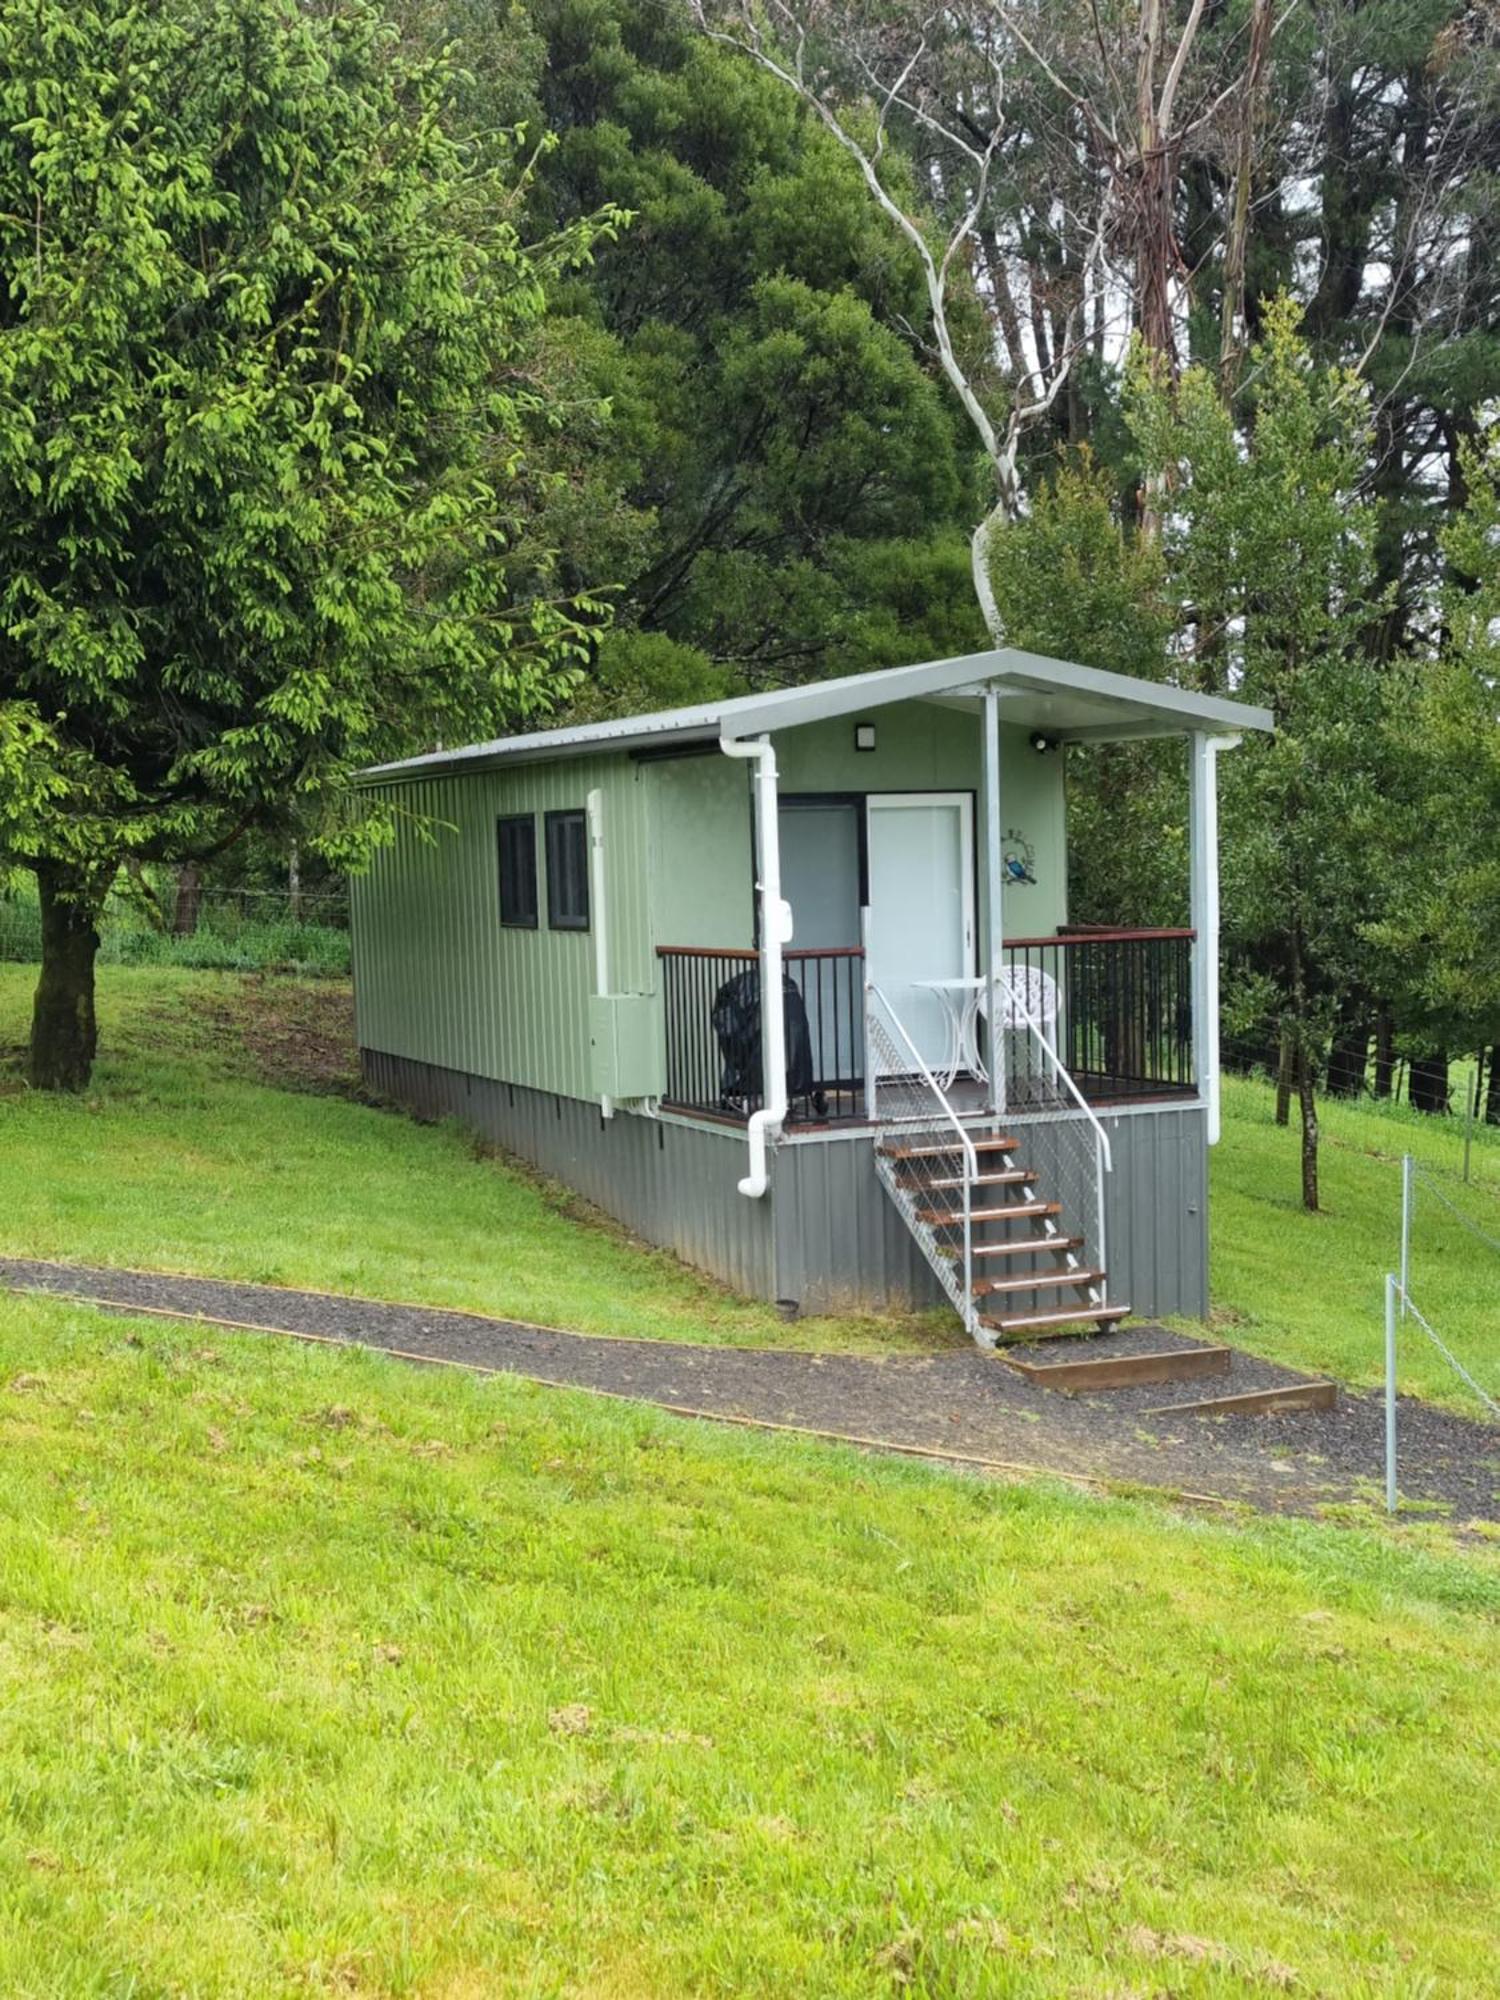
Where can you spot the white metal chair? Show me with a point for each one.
(1027, 995)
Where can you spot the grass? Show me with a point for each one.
(186, 1155)
(181, 1157)
(1308, 1289)
(323, 1675)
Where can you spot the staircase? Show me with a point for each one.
(1012, 1257)
(1028, 1275)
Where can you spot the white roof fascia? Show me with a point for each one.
(1146, 707)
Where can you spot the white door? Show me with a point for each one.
(921, 866)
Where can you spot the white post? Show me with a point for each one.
(598, 910)
(1203, 858)
(775, 931)
(994, 874)
(1390, 1392)
(1408, 1197)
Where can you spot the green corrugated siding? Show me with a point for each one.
(439, 979)
(921, 746)
(702, 865)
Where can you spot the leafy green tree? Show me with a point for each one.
(1269, 548)
(1074, 581)
(1441, 836)
(780, 464)
(263, 413)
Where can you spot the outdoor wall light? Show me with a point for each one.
(1042, 742)
(864, 736)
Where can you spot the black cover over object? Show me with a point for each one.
(736, 1023)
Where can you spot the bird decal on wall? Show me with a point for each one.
(1018, 858)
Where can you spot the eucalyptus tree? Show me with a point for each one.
(262, 429)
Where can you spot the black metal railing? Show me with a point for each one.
(1120, 1011)
(711, 1001)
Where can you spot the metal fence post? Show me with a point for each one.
(1408, 1189)
(1390, 1392)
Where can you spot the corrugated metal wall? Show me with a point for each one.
(827, 1233)
(839, 1240)
(439, 979)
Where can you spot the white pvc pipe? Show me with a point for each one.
(598, 910)
(775, 931)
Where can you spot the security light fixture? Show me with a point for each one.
(1041, 742)
(864, 736)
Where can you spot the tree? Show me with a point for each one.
(1072, 580)
(262, 429)
(1441, 926)
(780, 459)
(1269, 549)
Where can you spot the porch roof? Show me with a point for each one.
(1072, 703)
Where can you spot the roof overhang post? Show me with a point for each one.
(1203, 856)
(775, 932)
(994, 873)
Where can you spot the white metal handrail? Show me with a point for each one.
(1056, 1065)
(965, 1145)
(1103, 1159)
(971, 1157)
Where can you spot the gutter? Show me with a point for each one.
(775, 932)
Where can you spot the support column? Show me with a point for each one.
(994, 874)
(1203, 852)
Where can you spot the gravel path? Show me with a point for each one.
(960, 1405)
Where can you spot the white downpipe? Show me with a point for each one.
(598, 910)
(994, 882)
(775, 931)
(1203, 848)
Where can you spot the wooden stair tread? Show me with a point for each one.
(952, 1218)
(1006, 1177)
(1022, 1243)
(1066, 1316)
(942, 1152)
(1039, 1281)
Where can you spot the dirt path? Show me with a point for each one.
(963, 1405)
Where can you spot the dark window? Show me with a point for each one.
(517, 837)
(567, 871)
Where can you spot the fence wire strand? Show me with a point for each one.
(1446, 1351)
(1453, 1209)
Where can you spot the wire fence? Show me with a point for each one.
(235, 930)
(1480, 1377)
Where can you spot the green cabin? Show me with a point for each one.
(787, 984)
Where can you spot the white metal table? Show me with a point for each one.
(960, 998)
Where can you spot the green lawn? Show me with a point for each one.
(319, 1674)
(1308, 1289)
(183, 1157)
(178, 1158)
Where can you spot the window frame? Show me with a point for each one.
(557, 822)
(522, 922)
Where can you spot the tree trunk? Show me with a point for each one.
(1427, 1084)
(189, 900)
(1385, 1053)
(1492, 1089)
(64, 1034)
(1349, 1057)
(1307, 1104)
(294, 882)
(1286, 1069)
